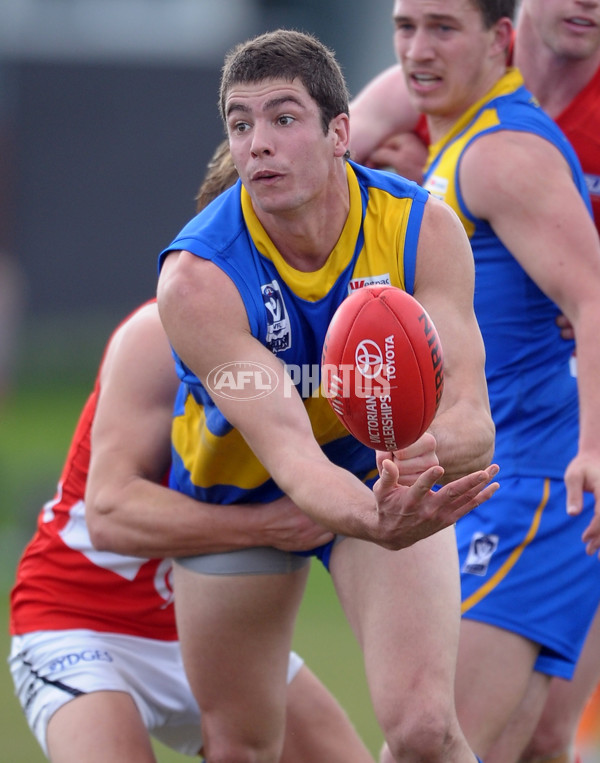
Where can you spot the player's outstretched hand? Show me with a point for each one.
(406, 515)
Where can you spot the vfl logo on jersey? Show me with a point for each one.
(437, 186)
(359, 283)
(480, 553)
(279, 334)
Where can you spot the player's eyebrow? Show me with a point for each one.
(272, 103)
(435, 17)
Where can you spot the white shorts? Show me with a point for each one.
(50, 668)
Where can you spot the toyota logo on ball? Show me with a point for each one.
(369, 359)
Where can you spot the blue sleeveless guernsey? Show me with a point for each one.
(533, 394)
(288, 311)
(523, 566)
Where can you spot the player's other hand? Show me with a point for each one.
(412, 461)
(286, 527)
(405, 515)
(583, 476)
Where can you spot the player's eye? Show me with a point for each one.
(404, 26)
(240, 126)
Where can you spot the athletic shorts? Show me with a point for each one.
(50, 668)
(524, 569)
(260, 560)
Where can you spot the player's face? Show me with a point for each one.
(278, 145)
(446, 54)
(570, 28)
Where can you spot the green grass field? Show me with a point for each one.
(35, 429)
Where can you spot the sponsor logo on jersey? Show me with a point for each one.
(437, 186)
(481, 550)
(279, 333)
(360, 283)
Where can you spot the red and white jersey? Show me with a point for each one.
(62, 582)
(580, 122)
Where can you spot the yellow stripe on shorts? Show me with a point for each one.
(497, 578)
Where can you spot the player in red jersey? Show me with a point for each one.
(95, 657)
(557, 49)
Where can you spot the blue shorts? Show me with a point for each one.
(524, 569)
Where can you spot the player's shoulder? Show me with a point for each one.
(139, 339)
(444, 251)
(505, 157)
(388, 181)
(439, 217)
(219, 222)
(214, 231)
(144, 319)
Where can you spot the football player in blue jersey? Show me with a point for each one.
(299, 227)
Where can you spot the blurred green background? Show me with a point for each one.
(36, 423)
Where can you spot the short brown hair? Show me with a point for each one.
(289, 55)
(494, 10)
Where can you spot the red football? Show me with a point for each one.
(382, 367)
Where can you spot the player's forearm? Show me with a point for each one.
(465, 436)
(151, 521)
(330, 495)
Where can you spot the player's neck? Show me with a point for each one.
(306, 237)
(554, 80)
(442, 123)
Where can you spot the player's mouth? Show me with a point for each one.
(424, 82)
(265, 176)
(580, 22)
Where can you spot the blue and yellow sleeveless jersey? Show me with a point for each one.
(533, 394)
(289, 312)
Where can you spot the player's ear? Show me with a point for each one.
(340, 128)
(503, 34)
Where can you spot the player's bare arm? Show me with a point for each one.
(560, 251)
(127, 509)
(191, 292)
(381, 109)
(444, 282)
